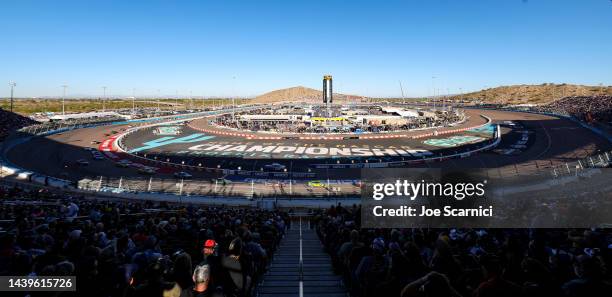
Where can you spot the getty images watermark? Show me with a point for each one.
(440, 198)
(429, 190)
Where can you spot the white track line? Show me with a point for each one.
(301, 283)
(549, 144)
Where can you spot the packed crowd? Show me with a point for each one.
(587, 108)
(118, 248)
(466, 262)
(10, 122)
(349, 124)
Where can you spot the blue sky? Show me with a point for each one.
(243, 48)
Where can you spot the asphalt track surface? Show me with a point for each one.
(555, 141)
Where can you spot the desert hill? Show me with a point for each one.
(514, 94)
(534, 94)
(300, 94)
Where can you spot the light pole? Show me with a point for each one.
(103, 98)
(64, 99)
(485, 94)
(402, 90)
(447, 96)
(433, 90)
(233, 100)
(553, 92)
(134, 101)
(12, 84)
(158, 96)
(563, 87)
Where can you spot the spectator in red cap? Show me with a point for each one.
(206, 274)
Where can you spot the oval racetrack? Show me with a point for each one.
(555, 141)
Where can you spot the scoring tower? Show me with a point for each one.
(327, 89)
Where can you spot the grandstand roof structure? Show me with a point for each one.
(85, 115)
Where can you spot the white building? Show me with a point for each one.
(407, 113)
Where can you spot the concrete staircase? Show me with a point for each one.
(301, 267)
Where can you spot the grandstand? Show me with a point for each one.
(465, 262)
(587, 108)
(10, 122)
(137, 248)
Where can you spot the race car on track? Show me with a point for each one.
(97, 155)
(123, 163)
(82, 162)
(147, 170)
(275, 167)
(316, 183)
(223, 181)
(182, 175)
(507, 152)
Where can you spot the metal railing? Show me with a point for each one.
(222, 187)
(600, 160)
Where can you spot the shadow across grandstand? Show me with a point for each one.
(137, 248)
(11, 122)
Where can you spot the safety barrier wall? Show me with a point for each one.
(255, 188)
(238, 201)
